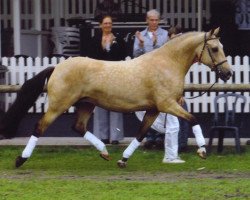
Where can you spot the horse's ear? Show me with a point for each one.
(216, 31)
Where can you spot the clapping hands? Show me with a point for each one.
(140, 38)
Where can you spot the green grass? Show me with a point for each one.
(79, 173)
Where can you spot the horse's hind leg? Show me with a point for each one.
(52, 113)
(84, 111)
(178, 111)
(147, 121)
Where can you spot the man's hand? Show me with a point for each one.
(154, 38)
(140, 38)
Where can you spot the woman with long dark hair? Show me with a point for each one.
(106, 45)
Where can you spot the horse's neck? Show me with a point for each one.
(182, 50)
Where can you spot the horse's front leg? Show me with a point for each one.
(147, 121)
(84, 111)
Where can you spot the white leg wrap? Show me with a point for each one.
(99, 145)
(131, 148)
(30, 147)
(198, 135)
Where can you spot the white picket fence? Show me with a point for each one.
(200, 74)
(183, 12)
(22, 69)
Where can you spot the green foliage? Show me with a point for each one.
(79, 173)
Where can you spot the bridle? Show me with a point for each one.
(215, 67)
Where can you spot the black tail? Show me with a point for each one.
(26, 97)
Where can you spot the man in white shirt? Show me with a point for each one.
(152, 37)
(149, 39)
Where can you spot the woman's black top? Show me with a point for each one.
(117, 50)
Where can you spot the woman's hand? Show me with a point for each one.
(107, 41)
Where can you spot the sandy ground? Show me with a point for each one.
(147, 177)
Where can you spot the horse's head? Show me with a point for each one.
(212, 55)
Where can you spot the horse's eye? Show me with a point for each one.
(215, 49)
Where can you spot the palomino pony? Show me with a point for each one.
(153, 82)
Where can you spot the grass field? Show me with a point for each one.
(79, 173)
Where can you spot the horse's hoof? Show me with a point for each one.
(202, 153)
(105, 156)
(121, 164)
(20, 160)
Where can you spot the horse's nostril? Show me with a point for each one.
(229, 73)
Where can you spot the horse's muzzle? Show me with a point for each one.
(224, 74)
